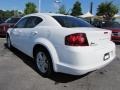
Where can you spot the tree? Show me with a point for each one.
(30, 8)
(9, 13)
(77, 10)
(62, 10)
(1, 13)
(107, 9)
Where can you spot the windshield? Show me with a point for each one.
(12, 20)
(70, 22)
(1, 21)
(111, 25)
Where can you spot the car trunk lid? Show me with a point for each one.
(94, 36)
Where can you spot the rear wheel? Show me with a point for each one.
(43, 62)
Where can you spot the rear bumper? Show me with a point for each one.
(78, 61)
(3, 33)
(81, 71)
(3, 30)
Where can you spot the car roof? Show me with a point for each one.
(45, 14)
(47, 18)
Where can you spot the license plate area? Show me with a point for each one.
(106, 56)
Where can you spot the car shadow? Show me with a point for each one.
(56, 77)
(2, 36)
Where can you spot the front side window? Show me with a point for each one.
(28, 22)
(71, 22)
(21, 23)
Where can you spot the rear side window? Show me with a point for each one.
(71, 22)
(33, 21)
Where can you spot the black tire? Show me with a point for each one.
(48, 67)
(8, 42)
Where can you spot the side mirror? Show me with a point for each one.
(11, 26)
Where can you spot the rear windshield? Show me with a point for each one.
(71, 22)
(12, 20)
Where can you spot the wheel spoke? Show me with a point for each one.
(42, 62)
(44, 57)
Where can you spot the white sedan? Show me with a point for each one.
(62, 43)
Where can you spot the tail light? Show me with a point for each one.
(77, 39)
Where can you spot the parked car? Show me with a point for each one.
(1, 21)
(115, 27)
(7, 24)
(62, 43)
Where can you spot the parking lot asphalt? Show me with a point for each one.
(17, 72)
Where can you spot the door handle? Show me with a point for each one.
(34, 33)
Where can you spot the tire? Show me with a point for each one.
(43, 62)
(8, 42)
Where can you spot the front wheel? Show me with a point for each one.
(8, 42)
(43, 62)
